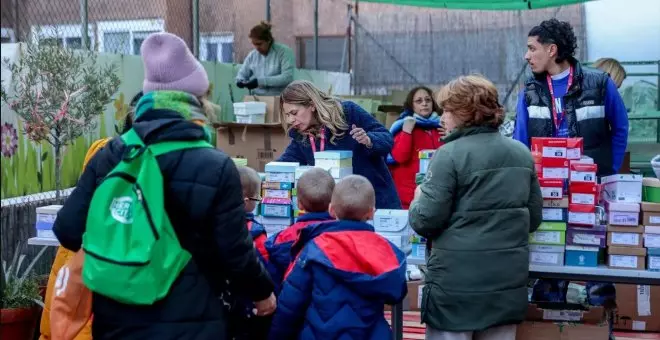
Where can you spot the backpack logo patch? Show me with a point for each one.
(121, 209)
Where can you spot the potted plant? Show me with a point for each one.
(20, 297)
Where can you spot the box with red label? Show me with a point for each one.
(574, 148)
(583, 193)
(582, 214)
(583, 172)
(549, 147)
(552, 188)
(554, 168)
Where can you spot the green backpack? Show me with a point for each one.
(132, 254)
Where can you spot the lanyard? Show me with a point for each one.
(556, 115)
(312, 140)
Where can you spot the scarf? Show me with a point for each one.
(431, 122)
(183, 103)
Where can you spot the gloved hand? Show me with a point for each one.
(252, 84)
(240, 84)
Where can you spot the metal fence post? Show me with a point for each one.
(195, 28)
(316, 34)
(84, 26)
(268, 10)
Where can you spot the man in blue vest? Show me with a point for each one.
(563, 99)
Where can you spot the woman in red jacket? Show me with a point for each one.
(418, 128)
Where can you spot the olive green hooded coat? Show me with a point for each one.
(478, 203)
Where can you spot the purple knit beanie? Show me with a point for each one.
(169, 65)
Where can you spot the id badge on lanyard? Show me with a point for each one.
(312, 140)
(557, 107)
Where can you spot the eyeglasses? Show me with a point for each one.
(423, 101)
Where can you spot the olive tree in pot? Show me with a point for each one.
(20, 297)
(59, 93)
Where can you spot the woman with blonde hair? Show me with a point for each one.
(317, 122)
(478, 203)
(613, 68)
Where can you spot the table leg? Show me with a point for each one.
(397, 321)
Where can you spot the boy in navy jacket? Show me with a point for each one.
(244, 324)
(315, 188)
(343, 275)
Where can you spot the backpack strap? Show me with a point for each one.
(132, 138)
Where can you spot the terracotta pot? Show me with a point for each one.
(18, 323)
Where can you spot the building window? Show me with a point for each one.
(126, 36)
(217, 47)
(331, 51)
(68, 36)
(7, 35)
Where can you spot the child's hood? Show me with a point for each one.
(356, 256)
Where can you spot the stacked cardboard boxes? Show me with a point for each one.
(339, 163)
(275, 208)
(621, 196)
(587, 236)
(294, 191)
(651, 221)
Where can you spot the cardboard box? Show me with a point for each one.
(595, 315)
(651, 240)
(582, 160)
(623, 214)
(574, 148)
(272, 107)
(548, 237)
(549, 147)
(625, 236)
(547, 258)
(390, 220)
(413, 300)
(583, 193)
(554, 168)
(536, 330)
(651, 218)
(622, 188)
(582, 256)
(626, 257)
(555, 214)
(582, 214)
(649, 206)
(593, 236)
(583, 172)
(258, 143)
(46, 216)
(638, 308)
(552, 188)
(562, 203)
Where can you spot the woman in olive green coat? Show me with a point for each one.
(478, 203)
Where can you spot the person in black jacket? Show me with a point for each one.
(203, 199)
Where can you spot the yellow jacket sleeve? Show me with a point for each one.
(61, 258)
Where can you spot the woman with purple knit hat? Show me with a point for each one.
(203, 200)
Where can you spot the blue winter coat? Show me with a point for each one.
(369, 163)
(343, 276)
(279, 244)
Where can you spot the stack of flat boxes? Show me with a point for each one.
(586, 236)
(45, 219)
(651, 222)
(621, 196)
(276, 211)
(393, 225)
(339, 163)
(551, 165)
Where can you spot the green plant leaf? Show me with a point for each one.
(44, 156)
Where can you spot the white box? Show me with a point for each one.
(400, 239)
(46, 217)
(623, 261)
(622, 188)
(251, 119)
(249, 108)
(339, 173)
(653, 263)
(625, 214)
(651, 240)
(390, 220)
(544, 258)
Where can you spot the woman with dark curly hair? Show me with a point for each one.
(418, 128)
(478, 203)
(563, 99)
